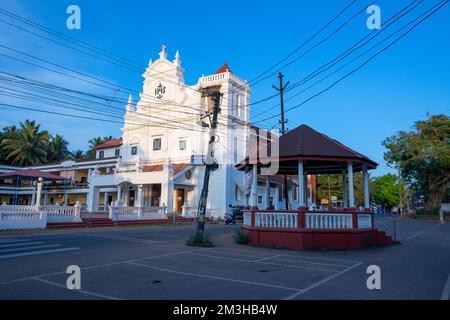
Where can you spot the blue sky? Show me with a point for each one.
(397, 88)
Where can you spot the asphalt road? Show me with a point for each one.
(154, 263)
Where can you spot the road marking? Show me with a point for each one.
(300, 292)
(267, 258)
(31, 253)
(429, 229)
(78, 291)
(446, 291)
(13, 240)
(98, 266)
(265, 262)
(20, 244)
(213, 277)
(123, 238)
(319, 263)
(30, 248)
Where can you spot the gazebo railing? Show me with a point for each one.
(301, 219)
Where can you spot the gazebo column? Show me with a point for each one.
(254, 200)
(119, 196)
(366, 187)
(344, 189)
(350, 185)
(267, 192)
(105, 200)
(39, 192)
(301, 185)
(305, 188)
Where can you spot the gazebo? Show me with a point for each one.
(304, 151)
(31, 175)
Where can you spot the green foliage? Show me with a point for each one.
(58, 149)
(385, 190)
(423, 157)
(200, 239)
(240, 237)
(331, 185)
(76, 154)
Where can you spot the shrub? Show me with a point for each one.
(200, 240)
(240, 237)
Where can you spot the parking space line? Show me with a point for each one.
(97, 295)
(233, 254)
(446, 291)
(267, 258)
(420, 232)
(13, 240)
(19, 244)
(30, 248)
(264, 262)
(319, 263)
(213, 277)
(32, 253)
(98, 266)
(315, 285)
(320, 258)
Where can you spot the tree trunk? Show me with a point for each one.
(434, 200)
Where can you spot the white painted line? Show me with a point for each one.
(123, 238)
(267, 258)
(213, 277)
(20, 244)
(415, 235)
(97, 295)
(30, 248)
(429, 229)
(264, 262)
(104, 265)
(446, 291)
(320, 258)
(234, 254)
(319, 263)
(32, 253)
(13, 241)
(300, 292)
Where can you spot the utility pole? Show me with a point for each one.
(283, 130)
(400, 205)
(211, 163)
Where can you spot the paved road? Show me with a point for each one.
(154, 263)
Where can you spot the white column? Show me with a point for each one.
(267, 192)
(366, 187)
(254, 200)
(350, 185)
(92, 198)
(301, 185)
(344, 189)
(33, 196)
(305, 188)
(138, 202)
(105, 200)
(66, 198)
(39, 192)
(119, 196)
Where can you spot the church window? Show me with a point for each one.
(157, 144)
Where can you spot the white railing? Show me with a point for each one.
(247, 218)
(22, 217)
(189, 212)
(276, 220)
(328, 221)
(57, 213)
(364, 220)
(137, 213)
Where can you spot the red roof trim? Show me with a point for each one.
(224, 68)
(110, 144)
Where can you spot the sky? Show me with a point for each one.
(400, 86)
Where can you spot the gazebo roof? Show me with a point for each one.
(31, 174)
(321, 154)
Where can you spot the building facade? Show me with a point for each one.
(153, 165)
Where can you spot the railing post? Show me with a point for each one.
(253, 217)
(301, 220)
(355, 220)
(77, 211)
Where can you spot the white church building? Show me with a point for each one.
(152, 164)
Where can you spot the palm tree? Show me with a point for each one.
(57, 149)
(76, 154)
(10, 132)
(95, 142)
(29, 147)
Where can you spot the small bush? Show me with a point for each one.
(200, 240)
(423, 212)
(241, 237)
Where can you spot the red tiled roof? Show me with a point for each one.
(224, 68)
(177, 167)
(33, 174)
(110, 144)
(153, 168)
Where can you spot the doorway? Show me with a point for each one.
(179, 200)
(131, 196)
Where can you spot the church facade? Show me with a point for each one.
(158, 160)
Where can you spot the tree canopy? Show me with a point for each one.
(423, 157)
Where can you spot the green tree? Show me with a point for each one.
(76, 154)
(423, 157)
(29, 146)
(331, 185)
(10, 132)
(95, 142)
(385, 190)
(57, 149)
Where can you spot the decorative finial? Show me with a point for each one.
(163, 54)
(130, 107)
(150, 62)
(177, 60)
